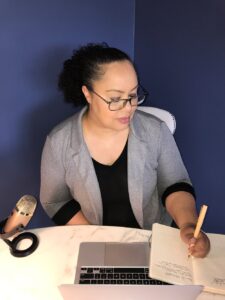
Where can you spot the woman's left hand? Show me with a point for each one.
(196, 247)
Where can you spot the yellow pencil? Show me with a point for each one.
(200, 220)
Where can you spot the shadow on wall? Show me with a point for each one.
(20, 165)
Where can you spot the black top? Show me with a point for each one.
(113, 185)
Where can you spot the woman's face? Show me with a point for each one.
(118, 82)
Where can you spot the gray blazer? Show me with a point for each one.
(154, 163)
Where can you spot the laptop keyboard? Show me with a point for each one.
(117, 275)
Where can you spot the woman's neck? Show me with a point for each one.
(104, 145)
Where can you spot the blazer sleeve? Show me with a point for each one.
(172, 175)
(55, 195)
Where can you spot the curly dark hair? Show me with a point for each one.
(85, 66)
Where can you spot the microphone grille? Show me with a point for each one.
(26, 205)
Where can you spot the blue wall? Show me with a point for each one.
(179, 47)
(180, 52)
(36, 37)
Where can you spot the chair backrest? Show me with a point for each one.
(162, 114)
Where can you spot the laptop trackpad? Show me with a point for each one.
(126, 254)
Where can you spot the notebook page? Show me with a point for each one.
(169, 256)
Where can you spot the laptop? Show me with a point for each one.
(107, 262)
(129, 292)
(116, 270)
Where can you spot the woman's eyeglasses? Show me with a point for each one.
(117, 104)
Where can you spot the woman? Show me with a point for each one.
(109, 163)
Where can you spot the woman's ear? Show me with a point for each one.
(86, 93)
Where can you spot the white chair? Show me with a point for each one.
(162, 114)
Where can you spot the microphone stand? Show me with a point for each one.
(14, 242)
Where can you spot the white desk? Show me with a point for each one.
(37, 276)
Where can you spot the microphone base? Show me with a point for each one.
(14, 242)
(23, 236)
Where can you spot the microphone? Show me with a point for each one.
(21, 214)
(16, 222)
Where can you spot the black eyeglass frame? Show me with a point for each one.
(145, 94)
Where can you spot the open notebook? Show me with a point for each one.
(171, 263)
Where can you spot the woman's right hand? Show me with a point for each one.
(199, 247)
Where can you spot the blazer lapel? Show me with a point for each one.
(89, 187)
(136, 164)
(88, 184)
